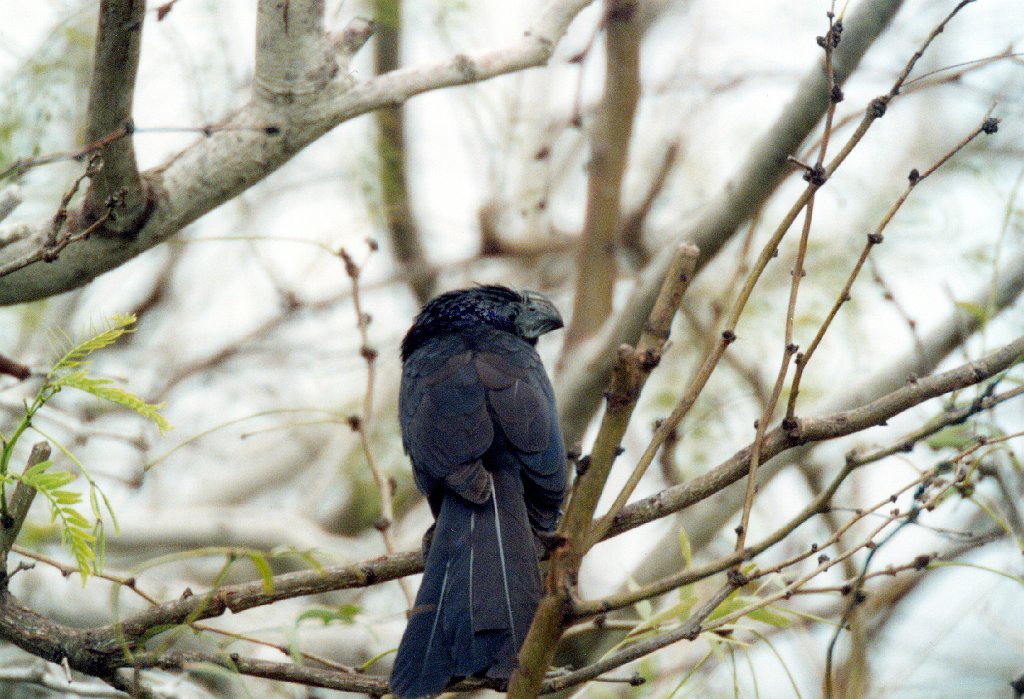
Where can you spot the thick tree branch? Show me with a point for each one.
(254, 142)
(94, 650)
(294, 60)
(297, 673)
(609, 155)
(392, 157)
(115, 67)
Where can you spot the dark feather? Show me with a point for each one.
(479, 423)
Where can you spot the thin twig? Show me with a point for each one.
(55, 241)
(815, 176)
(689, 630)
(805, 430)
(68, 570)
(361, 424)
(988, 125)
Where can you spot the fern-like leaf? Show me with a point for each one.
(75, 354)
(84, 539)
(105, 389)
(76, 532)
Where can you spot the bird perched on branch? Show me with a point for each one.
(479, 423)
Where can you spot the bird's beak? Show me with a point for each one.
(539, 315)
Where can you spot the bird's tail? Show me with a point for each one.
(480, 589)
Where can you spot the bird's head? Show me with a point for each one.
(526, 314)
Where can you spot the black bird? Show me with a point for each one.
(479, 423)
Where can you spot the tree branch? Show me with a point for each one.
(577, 527)
(392, 156)
(294, 60)
(810, 430)
(755, 181)
(257, 140)
(17, 509)
(951, 333)
(609, 156)
(115, 67)
(10, 199)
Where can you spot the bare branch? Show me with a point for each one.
(267, 669)
(875, 238)
(609, 156)
(262, 137)
(15, 511)
(10, 199)
(702, 526)
(294, 60)
(12, 367)
(361, 423)
(809, 430)
(686, 631)
(633, 367)
(755, 181)
(41, 674)
(391, 155)
(116, 64)
(818, 505)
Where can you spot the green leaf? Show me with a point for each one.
(679, 611)
(31, 473)
(94, 504)
(372, 661)
(46, 482)
(345, 614)
(769, 616)
(75, 353)
(100, 534)
(307, 557)
(76, 532)
(110, 511)
(105, 390)
(85, 537)
(73, 518)
(980, 313)
(957, 437)
(67, 497)
(262, 566)
(684, 547)
(731, 603)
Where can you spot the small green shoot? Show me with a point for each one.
(83, 538)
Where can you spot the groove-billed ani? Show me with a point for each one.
(479, 422)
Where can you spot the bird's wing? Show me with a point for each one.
(523, 404)
(446, 427)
